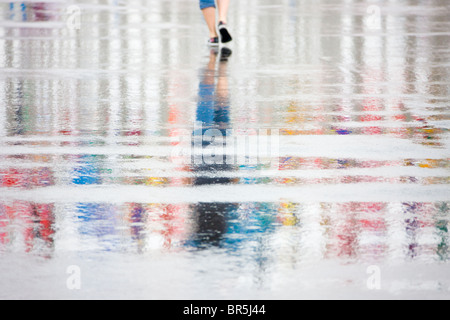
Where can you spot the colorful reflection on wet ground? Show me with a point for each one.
(97, 150)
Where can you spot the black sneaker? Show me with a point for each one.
(214, 42)
(224, 33)
(225, 53)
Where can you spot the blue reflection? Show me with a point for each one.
(88, 173)
(249, 223)
(23, 10)
(99, 221)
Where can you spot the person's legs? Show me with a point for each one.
(210, 18)
(223, 10)
(223, 19)
(208, 8)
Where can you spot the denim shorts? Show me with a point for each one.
(207, 4)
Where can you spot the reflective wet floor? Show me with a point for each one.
(308, 159)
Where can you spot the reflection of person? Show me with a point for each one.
(213, 112)
(208, 8)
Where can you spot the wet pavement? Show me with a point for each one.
(127, 150)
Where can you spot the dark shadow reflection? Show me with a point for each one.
(213, 113)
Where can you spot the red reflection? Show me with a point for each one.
(399, 117)
(350, 223)
(172, 219)
(26, 178)
(370, 117)
(370, 131)
(166, 222)
(41, 11)
(33, 221)
(372, 104)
